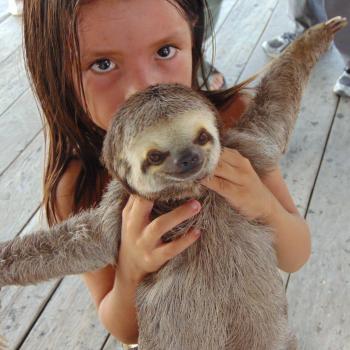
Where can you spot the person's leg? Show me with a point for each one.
(342, 39)
(342, 85)
(342, 42)
(305, 13)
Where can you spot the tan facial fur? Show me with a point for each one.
(172, 136)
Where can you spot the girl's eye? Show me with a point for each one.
(166, 52)
(103, 65)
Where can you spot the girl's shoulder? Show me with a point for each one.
(66, 203)
(66, 189)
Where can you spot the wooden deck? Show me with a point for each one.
(60, 314)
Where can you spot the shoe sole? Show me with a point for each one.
(268, 52)
(341, 90)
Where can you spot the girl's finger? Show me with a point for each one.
(235, 159)
(223, 187)
(230, 173)
(164, 223)
(230, 156)
(128, 205)
(139, 214)
(168, 251)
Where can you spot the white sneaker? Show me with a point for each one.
(342, 85)
(276, 45)
(15, 7)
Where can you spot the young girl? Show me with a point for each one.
(85, 59)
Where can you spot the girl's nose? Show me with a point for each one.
(140, 78)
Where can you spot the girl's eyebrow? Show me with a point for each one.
(94, 53)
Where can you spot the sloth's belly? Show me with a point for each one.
(220, 284)
(233, 268)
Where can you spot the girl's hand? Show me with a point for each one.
(141, 250)
(236, 180)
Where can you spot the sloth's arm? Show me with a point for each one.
(82, 243)
(262, 133)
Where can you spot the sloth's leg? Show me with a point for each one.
(263, 131)
(72, 247)
(82, 243)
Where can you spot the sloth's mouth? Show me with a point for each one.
(195, 174)
(188, 173)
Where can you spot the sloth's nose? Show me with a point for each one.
(189, 160)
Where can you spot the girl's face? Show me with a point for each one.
(128, 45)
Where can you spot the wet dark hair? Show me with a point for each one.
(52, 57)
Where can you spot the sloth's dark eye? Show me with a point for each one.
(203, 138)
(155, 157)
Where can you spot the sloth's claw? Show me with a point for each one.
(336, 23)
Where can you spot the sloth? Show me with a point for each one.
(224, 291)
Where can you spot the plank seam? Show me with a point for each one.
(211, 41)
(105, 341)
(29, 219)
(319, 169)
(12, 52)
(3, 17)
(257, 43)
(22, 151)
(41, 310)
(228, 14)
(14, 101)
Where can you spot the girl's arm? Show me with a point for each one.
(292, 234)
(141, 252)
(267, 200)
(117, 310)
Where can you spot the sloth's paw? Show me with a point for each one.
(320, 36)
(335, 24)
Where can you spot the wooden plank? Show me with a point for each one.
(13, 81)
(300, 164)
(225, 8)
(319, 295)
(21, 189)
(69, 321)
(258, 59)
(279, 23)
(18, 127)
(112, 344)
(61, 315)
(239, 35)
(10, 35)
(3, 10)
(19, 306)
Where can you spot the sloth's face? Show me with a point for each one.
(168, 160)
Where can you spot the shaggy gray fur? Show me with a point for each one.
(224, 291)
